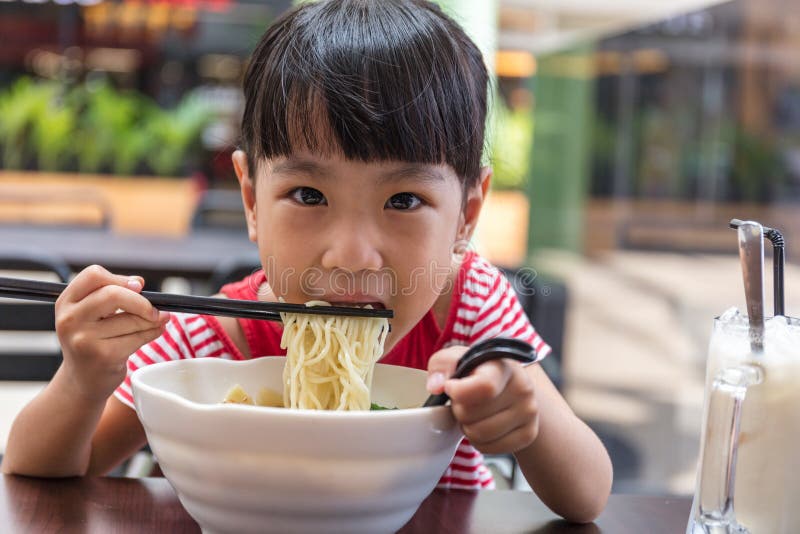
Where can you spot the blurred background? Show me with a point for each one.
(624, 137)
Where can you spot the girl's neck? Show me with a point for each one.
(441, 308)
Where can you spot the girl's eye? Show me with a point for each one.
(308, 196)
(403, 201)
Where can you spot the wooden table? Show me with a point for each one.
(119, 505)
(194, 256)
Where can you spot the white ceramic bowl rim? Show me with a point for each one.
(139, 378)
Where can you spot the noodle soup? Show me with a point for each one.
(269, 398)
(239, 468)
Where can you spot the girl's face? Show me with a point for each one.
(357, 233)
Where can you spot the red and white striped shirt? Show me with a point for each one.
(483, 306)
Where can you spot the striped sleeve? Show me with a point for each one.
(490, 309)
(185, 336)
(466, 470)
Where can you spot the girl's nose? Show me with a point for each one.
(352, 249)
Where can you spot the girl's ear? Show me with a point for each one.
(248, 192)
(473, 204)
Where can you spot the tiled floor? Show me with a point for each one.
(637, 329)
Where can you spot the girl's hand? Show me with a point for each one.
(495, 405)
(101, 320)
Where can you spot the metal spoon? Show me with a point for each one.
(751, 255)
(482, 352)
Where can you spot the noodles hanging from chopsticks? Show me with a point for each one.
(330, 360)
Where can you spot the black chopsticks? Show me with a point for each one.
(19, 288)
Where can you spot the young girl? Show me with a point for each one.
(361, 179)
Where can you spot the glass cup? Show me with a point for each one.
(748, 477)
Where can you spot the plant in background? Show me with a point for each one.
(758, 167)
(96, 128)
(107, 118)
(130, 147)
(174, 133)
(512, 139)
(20, 106)
(52, 133)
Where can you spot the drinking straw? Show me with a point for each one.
(778, 261)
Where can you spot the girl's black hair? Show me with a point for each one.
(374, 80)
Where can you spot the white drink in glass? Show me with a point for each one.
(766, 496)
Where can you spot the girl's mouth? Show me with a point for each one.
(358, 304)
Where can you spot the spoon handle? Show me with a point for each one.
(482, 352)
(751, 255)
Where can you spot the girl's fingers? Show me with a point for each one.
(513, 441)
(128, 344)
(489, 430)
(497, 425)
(104, 303)
(93, 278)
(441, 365)
(468, 413)
(485, 383)
(123, 324)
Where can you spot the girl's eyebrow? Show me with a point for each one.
(410, 172)
(413, 171)
(296, 166)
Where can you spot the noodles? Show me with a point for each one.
(237, 395)
(265, 397)
(329, 362)
(330, 359)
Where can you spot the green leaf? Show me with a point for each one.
(377, 407)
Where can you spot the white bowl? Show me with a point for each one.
(239, 468)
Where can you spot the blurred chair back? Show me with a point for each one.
(28, 346)
(232, 270)
(545, 304)
(219, 209)
(81, 207)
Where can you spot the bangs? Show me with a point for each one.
(372, 81)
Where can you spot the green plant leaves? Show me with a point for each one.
(512, 138)
(96, 128)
